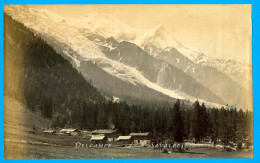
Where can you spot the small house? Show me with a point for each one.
(141, 138)
(98, 139)
(125, 139)
(70, 131)
(49, 131)
(109, 133)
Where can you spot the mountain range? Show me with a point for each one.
(123, 61)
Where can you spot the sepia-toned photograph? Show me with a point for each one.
(128, 81)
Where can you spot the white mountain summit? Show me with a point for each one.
(84, 40)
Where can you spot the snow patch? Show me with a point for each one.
(116, 99)
(66, 37)
(186, 68)
(193, 70)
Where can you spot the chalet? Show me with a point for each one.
(141, 138)
(70, 131)
(125, 139)
(98, 139)
(49, 131)
(109, 133)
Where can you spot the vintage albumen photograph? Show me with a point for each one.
(127, 81)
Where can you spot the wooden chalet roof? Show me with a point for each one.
(68, 130)
(140, 134)
(97, 137)
(124, 138)
(49, 131)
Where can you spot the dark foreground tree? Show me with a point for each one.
(178, 125)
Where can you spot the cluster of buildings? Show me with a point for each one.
(102, 136)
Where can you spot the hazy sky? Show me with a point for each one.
(220, 31)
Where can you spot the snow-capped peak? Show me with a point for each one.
(65, 35)
(50, 15)
(158, 36)
(70, 43)
(105, 25)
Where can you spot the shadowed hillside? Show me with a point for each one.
(39, 77)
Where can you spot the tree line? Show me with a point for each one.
(178, 123)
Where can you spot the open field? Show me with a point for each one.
(18, 143)
(65, 148)
(31, 146)
(40, 152)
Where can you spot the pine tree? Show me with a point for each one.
(204, 121)
(178, 125)
(215, 125)
(195, 122)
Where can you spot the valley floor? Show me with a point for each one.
(41, 146)
(34, 151)
(20, 144)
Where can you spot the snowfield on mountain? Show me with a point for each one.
(101, 48)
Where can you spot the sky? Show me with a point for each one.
(220, 31)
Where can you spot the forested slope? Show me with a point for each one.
(39, 77)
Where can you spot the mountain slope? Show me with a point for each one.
(161, 73)
(216, 81)
(95, 46)
(235, 78)
(237, 71)
(72, 45)
(158, 38)
(69, 45)
(39, 77)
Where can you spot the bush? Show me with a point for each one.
(164, 150)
